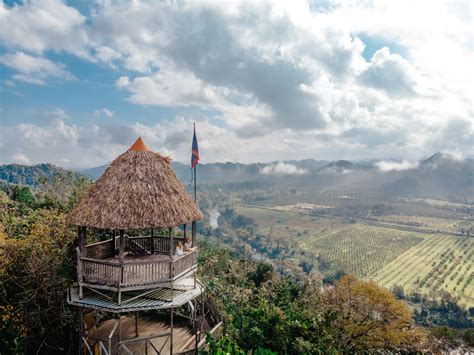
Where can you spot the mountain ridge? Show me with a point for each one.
(441, 175)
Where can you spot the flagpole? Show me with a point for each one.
(195, 166)
(195, 195)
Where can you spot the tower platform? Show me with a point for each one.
(162, 298)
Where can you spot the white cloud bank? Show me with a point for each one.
(386, 166)
(282, 168)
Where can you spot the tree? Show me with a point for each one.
(262, 273)
(369, 316)
(36, 272)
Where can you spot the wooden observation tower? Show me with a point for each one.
(140, 295)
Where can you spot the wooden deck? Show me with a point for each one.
(152, 333)
(184, 290)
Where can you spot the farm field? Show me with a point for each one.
(361, 249)
(442, 224)
(439, 263)
(419, 262)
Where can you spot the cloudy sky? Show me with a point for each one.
(263, 81)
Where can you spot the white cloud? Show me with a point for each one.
(20, 158)
(103, 112)
(122, 82)
(390, 73)
(34, 70)
(282, 168)
(386, 165)
(38, 26)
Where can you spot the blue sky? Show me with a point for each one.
(79, 81)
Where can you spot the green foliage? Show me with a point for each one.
(222, 346)
(33, 175)
(263, 272)
(12, 329)
(22, 194)
(440, 312)
(280, 315)
(37, 267)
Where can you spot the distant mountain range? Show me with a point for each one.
(33, 175)
(441, 175)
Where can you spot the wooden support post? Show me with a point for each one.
(81, 331)
(171, 325)
(152, 234)
(171, 259)
(184, 231)
(81, 232)
(195, 323)
(122, 246)
(136, 325)
(193, 233)
(119, 328)
(170, 232)
(112, 243)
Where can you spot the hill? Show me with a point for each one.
(441, 175)
(32, 175)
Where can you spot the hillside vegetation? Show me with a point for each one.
(34, 175)
(264, 311)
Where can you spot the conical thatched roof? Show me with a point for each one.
(138, 190)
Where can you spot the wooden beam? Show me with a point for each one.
(184, 231)
(193, 232)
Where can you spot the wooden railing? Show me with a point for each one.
(134, 273)
(134, 245)
(140, 345)
(101, 272)
(143, 244)
(101, 250)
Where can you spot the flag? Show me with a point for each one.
(195, 150)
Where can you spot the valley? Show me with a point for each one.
(420, 246)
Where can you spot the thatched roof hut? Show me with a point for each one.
(138, 190)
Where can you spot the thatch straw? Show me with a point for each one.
(138, 190)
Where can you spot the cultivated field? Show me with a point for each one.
(416, 260)
(438, 263)
(361, 249)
